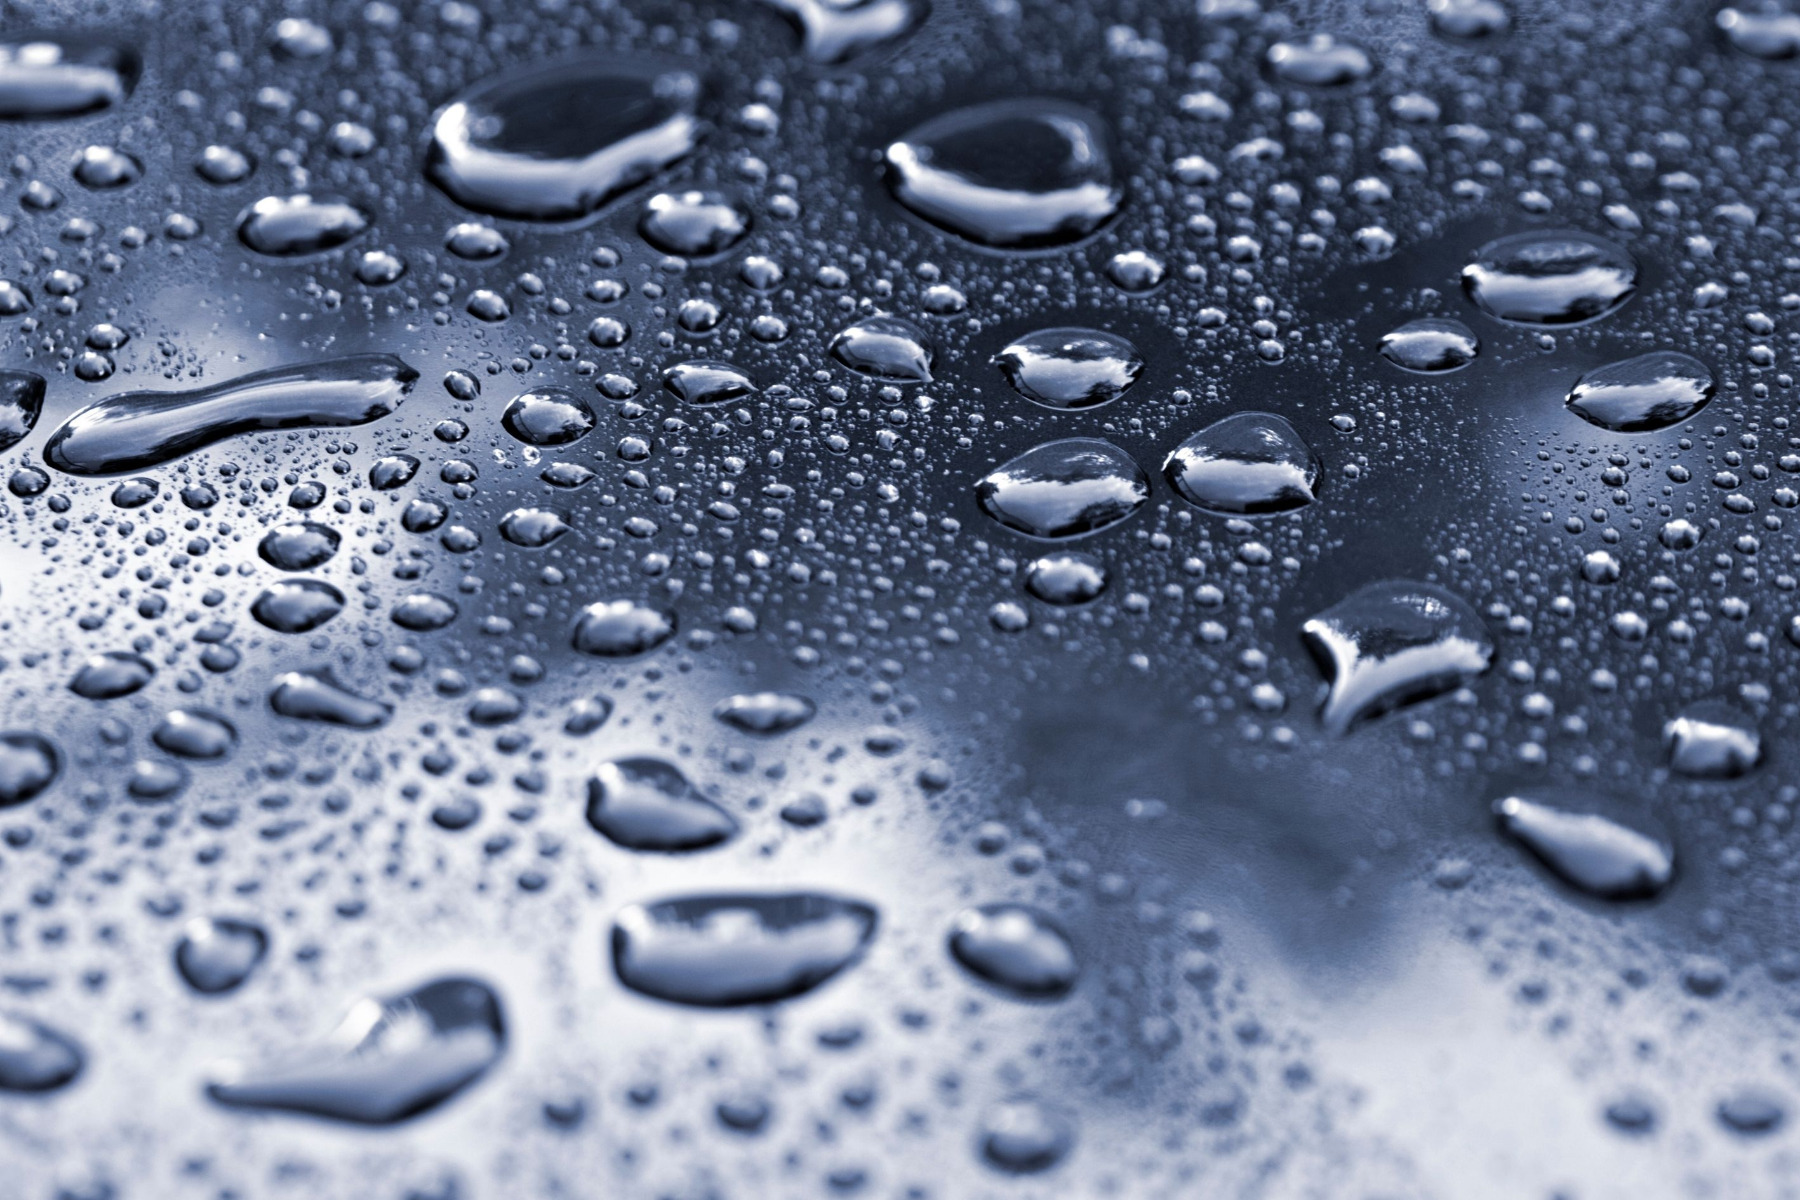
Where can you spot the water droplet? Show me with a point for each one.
(886, 348)
(548, 416)
(835, 31)
(1318, 61)
(393, 472)
(1752, 1112)
(1771, 34)
(1066, 578)
(533, 528)
(102, 168)
(21, 400)
(1022, 1136)
(33, 1056)
(1431, 345)
(298, 545)
(704, 382)
(217, 954)
(1070, 368)
(47, 78)
(291, 226)
(1588, 851)
(1249, 464)
(1713, 741)
(390, 1059)
(1136, 272)
(422, 612)
(1469, 18)
(297, 605)
(648, 804)
(693, 224)
(621, 629)
(765, 713)
(1649, 392)
(315, 696)
(1017, 949)
(191, 733)
(111, 675)
(1064, 489)
(29, 763)
(1550, 277)
(1012, 174)
(134, 430)
(557, 142)
(224, 165)
(1394, 643)
(730, 950)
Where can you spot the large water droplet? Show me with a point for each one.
(886, 348)
(21, 401)
(1249, 464)
(621, 629)
(290, 226)
(111, 675)
(648, 804)
(29, 763)
(1017, 949)
(134, 430)
(62, 77)
(1064, 489)
(765, 713)
(35, 1057)
(297, 605)
(556, 142)
(1394, 643)
(1713, 741)
(1649, 392)
(730, 950)
(1431, 345)
(390, 1059)
(1012, 174)
(1550, 277)
(548, 416)
(299, 545)
(315, 696)
(835, 31)
(1070, 368)
(217, 954)
(693, 224)
(1588, 851)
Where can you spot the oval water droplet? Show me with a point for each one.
(111, 675)
(765, 713)
(648, 804)
(1070, 368)
(1652, 391)
(1713, 741)
(291, 226)
(1394, 643)
(1012, 174)
(1066, 579)
(548, 416)
(533, 528)
(62, 77)
(299, 545)
(1017, 949)
(556, 142)
(35, 1057)
(704, 382)
(422, 612)
(729, 950)
(1431, 346)
(192, 733)
(1249, 464)
(1469, 18)
(29, 763)
(622, 628)
(1594, 853)
(1550, 277)
(297, 605)
(886, 348)
(836, 31)
(693, 224)
(1064, 489)
(316, 696)
(217, 954)
(390, 1059)
(134, 430)
(1318, 61)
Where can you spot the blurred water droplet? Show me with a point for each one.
(648, 804)
(217, 954)
(622, 629)
(111, 675)
(1017, 949)
(1713, 741)
(29, 763)
(765, 713)
(35, 1057)
(315, 696)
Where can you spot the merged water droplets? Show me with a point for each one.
(110, 675)
(1394, 643)
(1017, 949)
(648, 804)
(135, 430)
(533, 528)
(1588, 851)
(1064, 489)
(390, 1059)
(1012, 174)
(1249, 464)
(835, 31)
(1652, 391)
(29, 763)
(694, 224)
(217, 954)
(1767, 33)
(886, 348)
(1318, 61)
(765, 713)
(1069, 368)
(622, 629)
(730, 950)
(63, 77)
(1713, 741)
(291, 226)
(35, 1057)
(1066, 578)
(1431, 346)
(555, 143)
(1550, 277)
(548, 416)
(316, 696)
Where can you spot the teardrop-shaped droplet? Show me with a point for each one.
(135, 430)
(1713, 741)
(1012, 174)
(111, 675)
(1066, 578)
(1550, 277)
(886, 348)
(1017, 949)
(315, 696)
(297, 605)
(693, 224)
(390, 1059)
(765, 713)
(704, 382)
(35, 1057)
(217, 954)
(1318, 61)
(21, 401)
(1394, 643)
(46, 77)
(1249, 464)
(836, 31)
(556, 142)
(1652, 391)
(622, 628)
(1070, 368)
(730, 950)
(29, 763)
(291, 226)
(1064, 489)
(1431, 346)
(648, 804)
(299, 545)
(1594, 853)
(548, 416)
(193, 733)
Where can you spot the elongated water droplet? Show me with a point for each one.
(422, 612)
(1652, 391)
(1394, 643)
(291, 226)
(1713, 741)
(35, 1057)
(1013, 174)
(730, 950)
(195, 734)
(1588, 851)
(62, 77)
(704, 382)
(621, 629)
(111, 675)
(1772, 34)
(648, 804)
(1469, 18)
(1017, 949)
(533, 528)
(1318, 61)
(1249, 464)
(765, 713)
(1064, 489)
(1550, 277)
(391, 1059)
(1070, 368)
(315, 696)
(134, 430)
(886, 348)
(1066, 578)
(217, 954)
(835, 31)
(1431, 346)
